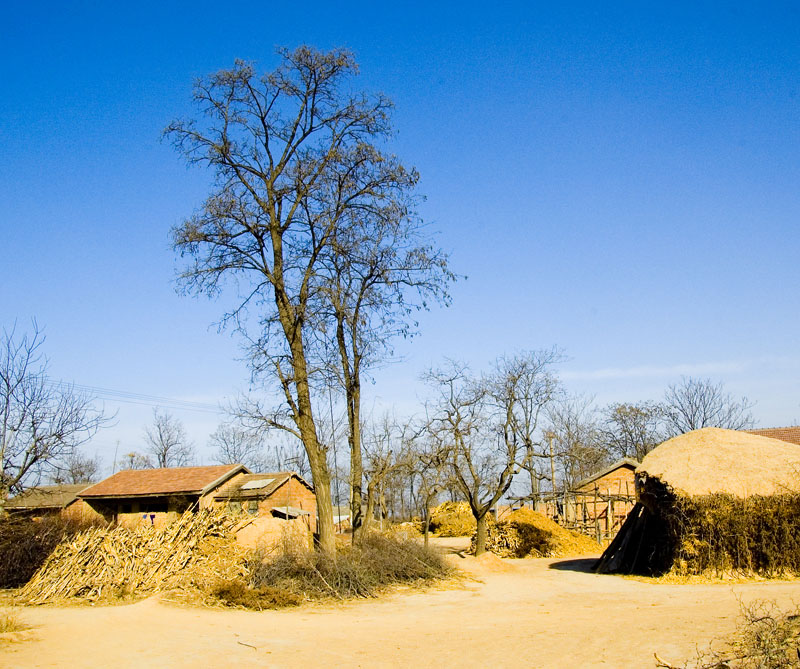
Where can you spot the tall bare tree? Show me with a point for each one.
(167, 441)
(297, 163)
(695, 403)
(41, 422)
(578, 446)
(380, 269)
(429, 466)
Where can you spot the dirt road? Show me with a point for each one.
(522, 613)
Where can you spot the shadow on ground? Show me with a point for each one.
(585, 565)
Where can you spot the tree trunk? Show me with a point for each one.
(481, 535)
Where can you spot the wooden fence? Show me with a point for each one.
(596, 513)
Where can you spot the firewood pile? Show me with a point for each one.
(109, 563)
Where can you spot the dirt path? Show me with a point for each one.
(531, 613)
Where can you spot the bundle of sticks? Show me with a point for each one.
(116, 562)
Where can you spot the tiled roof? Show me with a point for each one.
(790, 434)
(46, 497)
(234, 488)
(625, 462)
(140, 482)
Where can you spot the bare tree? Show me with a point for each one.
(529, 385)
(386, 453)
(41, 422)
(234, 444)
(480, 422)
(77, 468)
(695, 403)
(167, 441)
(297, 163)
(429, 465)
(633, 430)
(578, 446)
(379, 270)
(135, 460)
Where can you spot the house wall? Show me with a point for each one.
(291, 493)
(135, 511)
(619, 482)
(79, 510)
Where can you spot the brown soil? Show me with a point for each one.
(511, 613)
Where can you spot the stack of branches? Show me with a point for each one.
(120, 562)
(527, 533)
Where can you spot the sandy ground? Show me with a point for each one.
(520, 613)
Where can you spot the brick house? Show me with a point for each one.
(278, 494)
(157, 495)
(790, 434)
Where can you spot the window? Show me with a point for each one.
(234, 506)
(252, 507)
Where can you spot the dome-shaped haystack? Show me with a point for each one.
(712, 460)
(713, 499)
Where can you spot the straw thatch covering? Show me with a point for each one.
(713, 460)
(713, 499)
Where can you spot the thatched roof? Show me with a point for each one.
(46, 497)
(713, 460)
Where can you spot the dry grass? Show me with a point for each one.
(11, 622)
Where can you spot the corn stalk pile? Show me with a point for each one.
(119, 562)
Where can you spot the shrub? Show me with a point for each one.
(766, 638)
(377, 562)
(26, 543)
(238, 593)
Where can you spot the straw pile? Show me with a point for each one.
(119, 562)
(452, 519)
(527, 533)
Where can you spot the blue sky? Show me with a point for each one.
(621, 182)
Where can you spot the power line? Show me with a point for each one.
(141, 399)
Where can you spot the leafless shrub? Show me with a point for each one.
(767, 638)
(376, 562)
(25, 544)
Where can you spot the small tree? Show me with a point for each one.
(41, 422)
(633, 430)
(696, 403)
(167, 441)
(234, 444)
(135, 460)
(481, 423)
(77, 468)
(429, 465)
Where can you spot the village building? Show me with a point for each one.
(712, 498)
(279, 494)
(50, 499)
(790, 434)
(157, 496)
